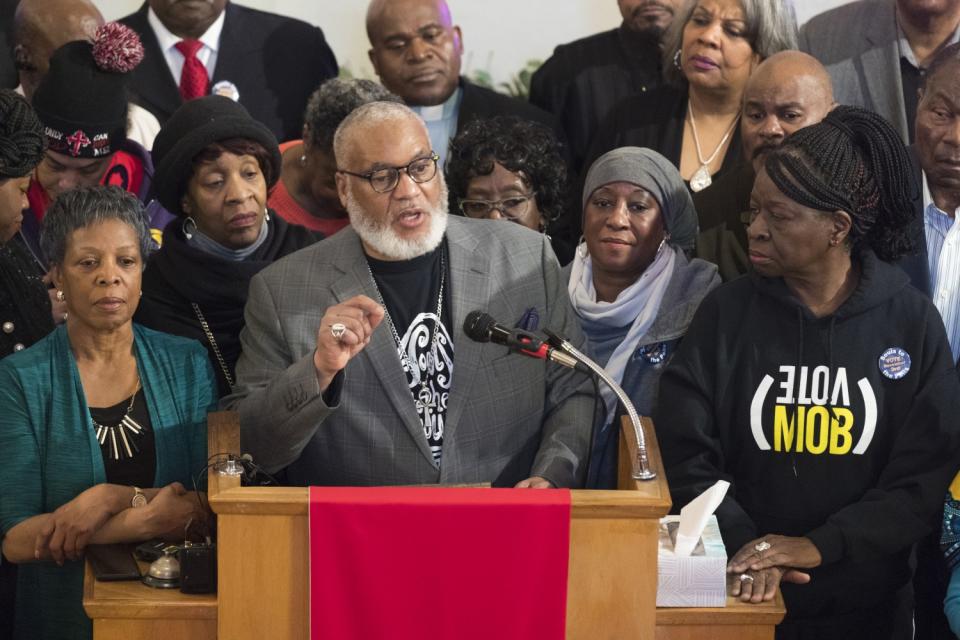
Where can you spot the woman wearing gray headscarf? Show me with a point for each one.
(631, 282)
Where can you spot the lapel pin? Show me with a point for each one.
(226, 89)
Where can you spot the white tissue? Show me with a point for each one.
(694, 516)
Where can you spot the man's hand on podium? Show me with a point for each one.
(535, 482)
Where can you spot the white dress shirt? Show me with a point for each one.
(168, 41)
(943, 254)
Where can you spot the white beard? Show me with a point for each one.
(381, 237)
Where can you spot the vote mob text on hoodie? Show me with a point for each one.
(843, 429)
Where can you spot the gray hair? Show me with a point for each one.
(370, 114)
(771, 28)
(87, 206)
(335, 100)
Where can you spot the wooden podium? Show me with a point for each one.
(263, 560)
(263, 588)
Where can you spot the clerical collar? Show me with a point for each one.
(205, 243)
(442, 111)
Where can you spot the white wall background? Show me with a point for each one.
(500, 36)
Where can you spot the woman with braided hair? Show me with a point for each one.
(24, 305)
(822, 388)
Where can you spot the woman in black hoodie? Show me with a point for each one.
(822, 387)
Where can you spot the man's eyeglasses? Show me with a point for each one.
(514, 208)
(386, 180)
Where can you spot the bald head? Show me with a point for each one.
(787, 91)
(40, 27)
(383, 12)
(415, 49)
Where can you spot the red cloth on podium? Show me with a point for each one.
(415, 563)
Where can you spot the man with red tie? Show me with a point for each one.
(269, 63)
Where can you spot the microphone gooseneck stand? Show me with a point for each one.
(641, 467)
(481, 327)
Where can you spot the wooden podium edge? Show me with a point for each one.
(635, 499)
(735, 613)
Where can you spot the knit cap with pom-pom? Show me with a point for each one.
(82, 101)
(117, 48)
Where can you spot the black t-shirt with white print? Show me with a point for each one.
(410, 291)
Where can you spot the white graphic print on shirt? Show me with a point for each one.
(431, 375)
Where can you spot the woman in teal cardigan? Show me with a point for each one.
(102, 423)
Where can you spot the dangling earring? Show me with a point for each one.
(582, 248)
(60, 296)
(185, 227)
(676, 59)
(266, 214)
(663, 243)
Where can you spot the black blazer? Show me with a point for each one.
(276, 63)
(916, 265)
(655, 120)
(9, 78)
(480, 102)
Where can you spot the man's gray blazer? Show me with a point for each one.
(508, 417)
(857, 43)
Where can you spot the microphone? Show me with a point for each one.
(481, 327)
(642, 470)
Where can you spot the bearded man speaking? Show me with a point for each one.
(355, 368)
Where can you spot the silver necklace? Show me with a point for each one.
(117, 434)
(424, 397)
(701, 178)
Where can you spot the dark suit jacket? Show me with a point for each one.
(8, 73)
(916, 264)
(857, 43)
(480, 102)
(723, 233)
(584, 79)
(276, 63)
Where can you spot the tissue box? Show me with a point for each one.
(698, 580)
